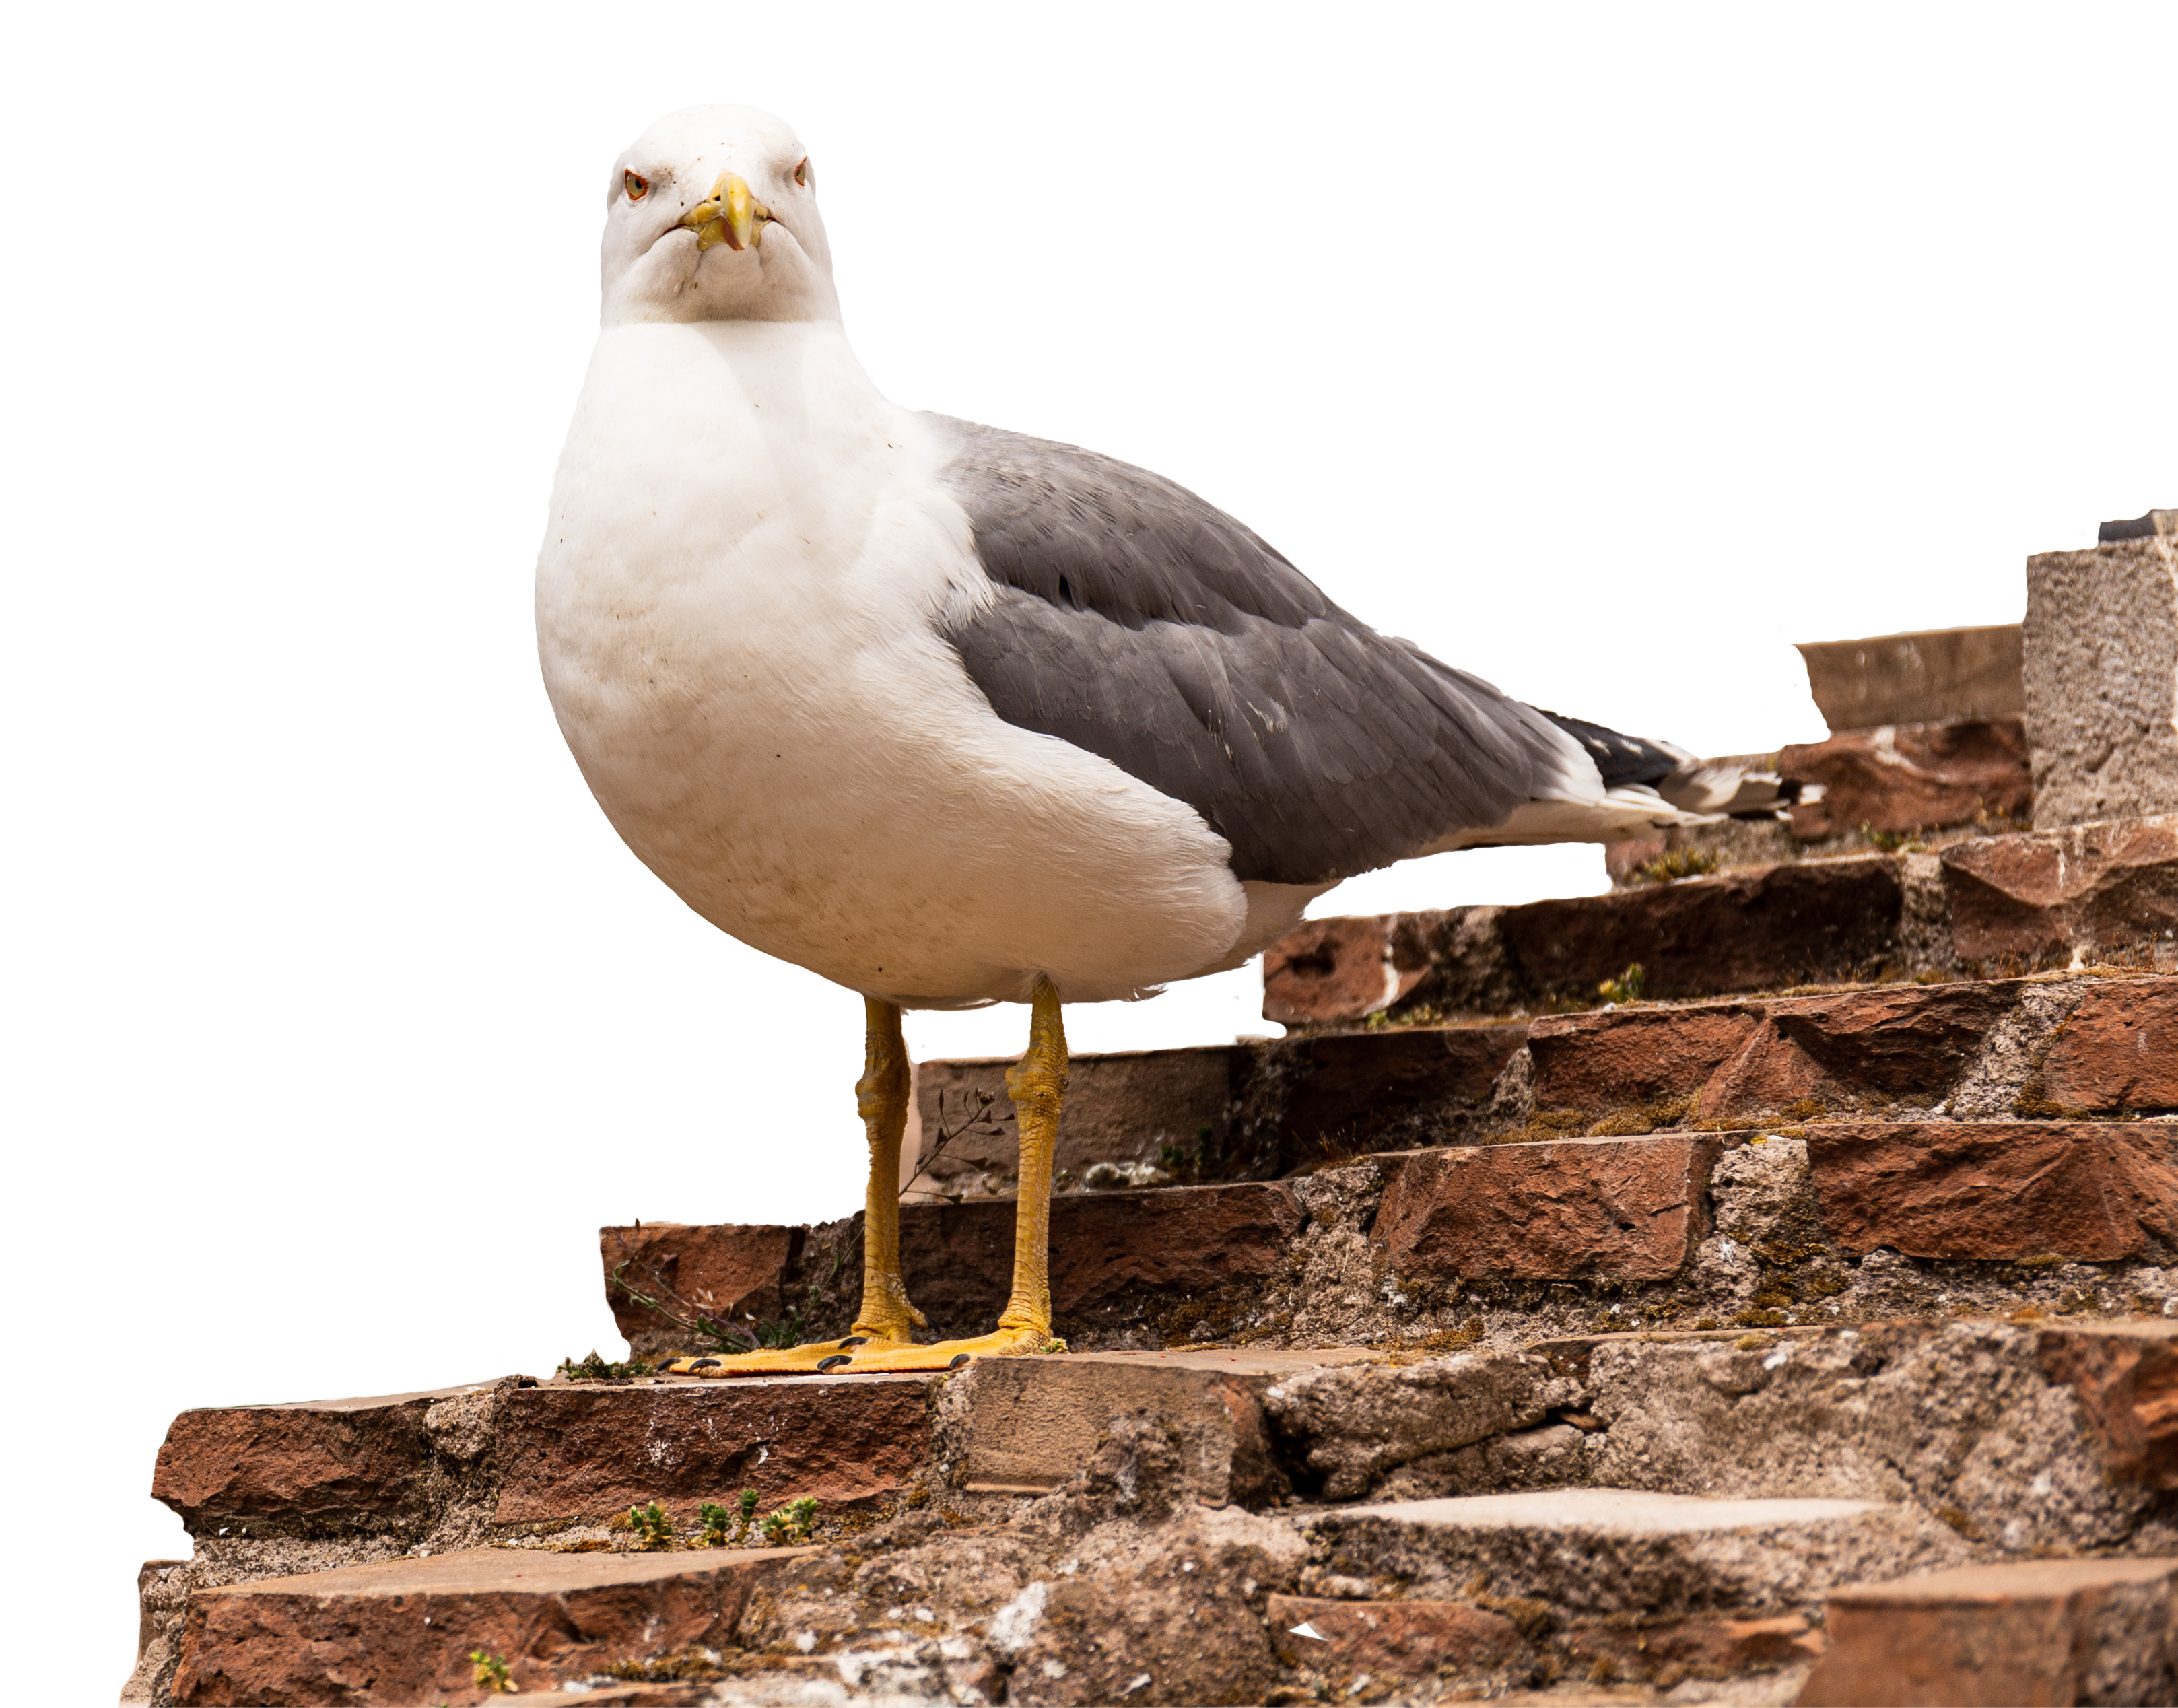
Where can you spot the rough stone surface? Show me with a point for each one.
(2102, 889)
(2044, 1634)
(1032, 1423)
(2094, 1190)
(731, 1271)
(1405, 1639)
(585, 1451)
(1616, 1057)
(1928, 677)
(1911, 777)
(1597, 1553)
(2118, 1050)
(2102, 681)
(1340, 968)
(398, 1631)
(1367, 1091)
(1550, 1211)
(1668, 1654)
(2126, 1376)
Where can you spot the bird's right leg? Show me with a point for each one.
(886, 1319)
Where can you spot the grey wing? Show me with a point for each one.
(1137, 621)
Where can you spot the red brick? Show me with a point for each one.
(1108, 1247)
(2110, 886)
(1616, 1057)
(1624, 1208)
(2024, 1636)
(1697, 1648)
(1404, 1639)
(2127, 1376)
(1904, 1040)
(1911, 777)
(2118, 1050)
(2094, 1190)
(728, 1269)
(1336, 969)
(579, 1450)
(312, 1463)
(1347, 1088)
(399, 1631)
(1817, 921)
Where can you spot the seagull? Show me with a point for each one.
(952, 715)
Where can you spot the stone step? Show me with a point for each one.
(403, 1631)
(1989, 906)
(2077, 1047)
(1827, 1220)
(1996, 1636)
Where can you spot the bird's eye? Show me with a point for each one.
(801, 172)
(637, 186)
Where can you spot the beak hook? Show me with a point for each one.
(730, 214)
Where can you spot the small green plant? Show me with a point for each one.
(715, 1519)
(1624, 988)
(790, 1523)
(491, 1674)
(748, 1504)
(596, 1369)
(652, 1527)
(1676, 864)
(1893, 841)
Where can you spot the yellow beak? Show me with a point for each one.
(730, 214)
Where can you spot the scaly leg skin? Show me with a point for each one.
(1038, 1085)
(886, 1319)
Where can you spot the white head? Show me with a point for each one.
(711, 215)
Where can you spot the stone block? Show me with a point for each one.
(2031, 1634)
(2127, 1376)
(1347, 1091)
(1615, 1057)
(1339, 969)
(1939, 675)
(1631, 1209)
(585, 1451)
(1111, 1249)
(1400, 1639)
(399, 1631)
(1910, 777)
(731, 1271)
(1593, 1553)
(1030, 1424)
(2118, 1050)
(1900, 1043)
(317, 1465)
(2042, 895)
(2102, 681)
(1665, 1654)
(2096, 1192)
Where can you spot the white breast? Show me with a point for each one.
(734, 602)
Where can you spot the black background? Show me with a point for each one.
(367, 1021)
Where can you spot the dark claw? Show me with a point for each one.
(854, 1340)
(836, 1359)
(704, 1364)
(959, 1358)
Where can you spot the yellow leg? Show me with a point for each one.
(886, 1318)
(1038, 1085)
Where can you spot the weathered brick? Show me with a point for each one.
(1904, 1042)
(1911, 777)
(2118, 1050)
(1337, 969)
(580, 1450)
(1624, 1208)
(1916, 678)
(1401, 1640)
(320, 1464)
(1680, 1649)
(727, 1270)
(1345, 1090)
(2035, 1634)
(2127, 1376)
(2038, 895)
(1615, 1057)
(2099, 1191)
(400, 1631)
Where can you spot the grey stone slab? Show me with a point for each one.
(1934, 676)
(2101, 674)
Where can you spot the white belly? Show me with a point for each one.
(734, 608)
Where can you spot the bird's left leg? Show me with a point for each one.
(1038, 1085)
(886, 1318)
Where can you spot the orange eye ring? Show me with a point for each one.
(801, 172)
(637, 186)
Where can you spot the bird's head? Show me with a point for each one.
(711, 215)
